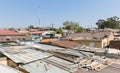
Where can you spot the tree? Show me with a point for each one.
(74, 26)
(112, 22)
(59, 31)
(30, 27)
(79, 29)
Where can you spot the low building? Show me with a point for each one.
(12, 36)
(36, 34)
(92, 39)
(48, 37)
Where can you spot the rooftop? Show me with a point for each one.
(65, 44)
(36, 32)
(23, 54)
(9, 32)
(88, 35)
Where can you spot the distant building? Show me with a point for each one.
(48, 37)
(36, 34)
(12, 36)
(92, 39)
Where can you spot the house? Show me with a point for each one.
(36, 34)
(92, 39)
(48, 37)
(12, 36)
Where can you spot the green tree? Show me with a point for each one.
(74, 26)
(112, 22)
(79, 29)
(30, 27)
(59, 31)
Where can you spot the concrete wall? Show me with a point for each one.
(104, 42)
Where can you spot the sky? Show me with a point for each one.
(22, 13)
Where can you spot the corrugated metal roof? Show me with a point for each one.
(42, 67)
(65, 43)
(74, 52)
(63, 64)
(26, 55)
(45, 47)
(6, 69)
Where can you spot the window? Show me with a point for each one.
(91, 44)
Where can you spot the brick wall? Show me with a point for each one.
(115, 44)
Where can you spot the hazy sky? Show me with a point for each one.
(21, 13)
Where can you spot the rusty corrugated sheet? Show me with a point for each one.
(65, 44)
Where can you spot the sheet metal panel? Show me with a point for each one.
(42, 67)
(6, 69)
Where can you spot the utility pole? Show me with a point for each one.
(52, 25)
(39, 21)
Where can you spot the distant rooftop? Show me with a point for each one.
(89, 35)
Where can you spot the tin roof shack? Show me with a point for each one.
(80, 59)
(50, 65)
(92, 39)
(30, 60)
(12, 36)
(20, 55)
(36, 35)
(115, 44)
(7, 69)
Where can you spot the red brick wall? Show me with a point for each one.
(115, 44)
